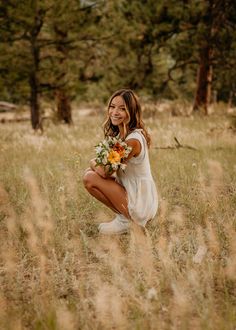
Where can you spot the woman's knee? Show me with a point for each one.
(89, 179)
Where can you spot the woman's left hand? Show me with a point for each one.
(93, 164)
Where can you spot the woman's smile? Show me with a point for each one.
(116, 118)
(117, 111)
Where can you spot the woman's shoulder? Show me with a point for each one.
(134, 133)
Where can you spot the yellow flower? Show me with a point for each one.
(113, 157)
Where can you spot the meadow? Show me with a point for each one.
(57, 272)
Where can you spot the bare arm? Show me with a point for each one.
(136, 148)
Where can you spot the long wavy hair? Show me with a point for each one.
(133, 110)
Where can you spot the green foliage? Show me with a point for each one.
(91, 48)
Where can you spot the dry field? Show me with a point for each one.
(56, 272)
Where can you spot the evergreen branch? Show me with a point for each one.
(177, 66)
(50, 87)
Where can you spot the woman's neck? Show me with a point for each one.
(122, 131)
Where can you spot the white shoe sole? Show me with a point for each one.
(114, 227)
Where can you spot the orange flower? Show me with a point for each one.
(118, 148)
(114, 157)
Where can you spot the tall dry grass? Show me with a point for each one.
(56, 272)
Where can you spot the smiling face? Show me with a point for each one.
(124, 114)
(117, 111)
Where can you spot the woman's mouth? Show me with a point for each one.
(116, 118)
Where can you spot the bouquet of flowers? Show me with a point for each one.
(112, 152)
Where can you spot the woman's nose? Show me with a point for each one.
(115, 110)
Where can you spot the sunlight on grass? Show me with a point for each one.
(56, 272)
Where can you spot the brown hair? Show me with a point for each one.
(133, 109)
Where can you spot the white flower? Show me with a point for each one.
(99, 149)
(152, 294)
(106, 143)
(104, 161)
(61, 188)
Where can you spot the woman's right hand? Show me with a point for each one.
(98, 169)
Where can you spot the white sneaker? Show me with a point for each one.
(119, 225)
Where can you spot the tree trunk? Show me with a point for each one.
(34, 90)
(64, 112)
(230, 100)
(63, 107)
(204, 81)
(211, 19)
(33, 75)
(34, 103)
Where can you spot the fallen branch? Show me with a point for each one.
(13, 120)
(178, 145)
(20, 119)
(7, 107)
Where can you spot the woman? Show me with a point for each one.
(132, 193)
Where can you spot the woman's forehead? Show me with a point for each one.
(118, 101)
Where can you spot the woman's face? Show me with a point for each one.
(117, 111)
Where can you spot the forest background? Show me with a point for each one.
(60, 52)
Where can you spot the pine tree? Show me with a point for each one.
(45, 36)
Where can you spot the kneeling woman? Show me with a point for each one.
(132, 193)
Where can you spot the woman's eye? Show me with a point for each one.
(119, 109)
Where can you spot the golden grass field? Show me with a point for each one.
(56, 272)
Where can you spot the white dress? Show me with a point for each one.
(138, 182)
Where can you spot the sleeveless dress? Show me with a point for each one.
(139, 184)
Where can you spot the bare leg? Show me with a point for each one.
(95, 192)
(107, 191)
